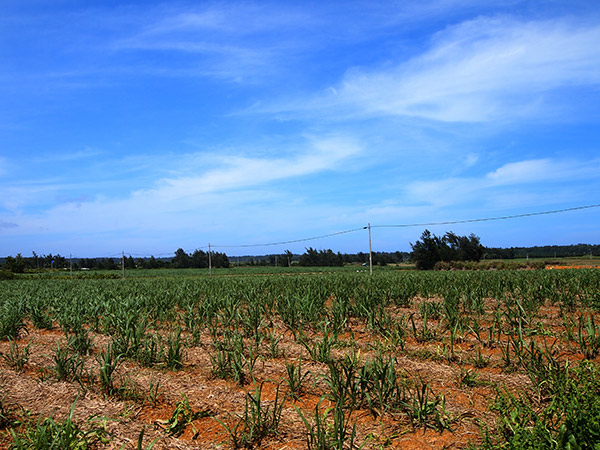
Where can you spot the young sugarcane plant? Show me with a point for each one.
(295, 378)
(588, 336)
(260, 419)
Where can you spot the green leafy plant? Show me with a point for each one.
(48, 434)
(140, 441)
(320, 350)
(12, 317)
(329, 430)
(427, 411)
(259, 419)
(295, 378)
(174, 353)
(588, 336)
(68, 365)
(153, 390)
(17, 357)
(380, 386)
(183, 415)
(109, 360)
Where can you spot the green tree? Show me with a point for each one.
(220, 260)
(182, 260)
(15, 265)
(451, 247)
(129, 263)
(199, 259)
(285, 260)
(427, 251)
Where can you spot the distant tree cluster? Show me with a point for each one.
(19, 263)
(198, 259)
(426, 253)
(546, 251)
(379, 258)
(323, 258)
(431, 249)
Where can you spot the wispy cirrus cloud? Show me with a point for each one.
(241, 172)
(217, 40)
(538, 175)
(480, 70)
(219, 180)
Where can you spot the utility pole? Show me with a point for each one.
(123, 264)
(209, 261)
(71, 264)
(370, 253)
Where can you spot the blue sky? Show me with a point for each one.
(147, 126)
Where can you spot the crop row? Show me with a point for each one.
(466, 320)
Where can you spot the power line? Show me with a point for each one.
(407, 225)
(290, 242)
(487, 219)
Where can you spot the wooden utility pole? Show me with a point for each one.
(123, 264)
(209, 261)
(370, 253)
(71, 264)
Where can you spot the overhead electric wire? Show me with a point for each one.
(290, 242)
(405, 225)
(450, 222)
(487, 219)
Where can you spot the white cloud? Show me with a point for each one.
(236, 186)
(85, 153)
(537, 174)
(528, 171)
(477, 71)
(240, 172)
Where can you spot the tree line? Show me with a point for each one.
(431, 249)
(428, 251)
(546, 251)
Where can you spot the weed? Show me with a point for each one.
(5, 416)
(183, 415)
(467, 378)
(570, 420)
